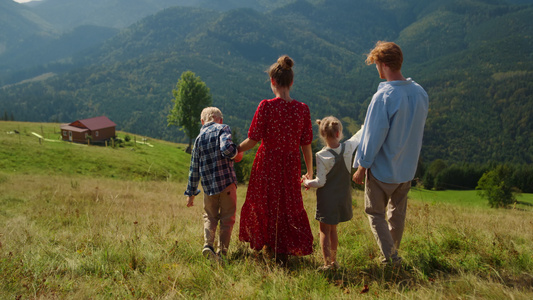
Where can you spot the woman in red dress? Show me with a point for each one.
(273, 217)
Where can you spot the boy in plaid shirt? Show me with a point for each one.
(212, 160)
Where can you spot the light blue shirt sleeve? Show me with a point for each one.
(392, 135)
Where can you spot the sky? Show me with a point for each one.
(24, 1)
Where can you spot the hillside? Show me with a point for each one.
(473, 58)
(18, 22)
(79, 222)
(36, 148)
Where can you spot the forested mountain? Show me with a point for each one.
(473, 57)
(17, 22)
(67, 14)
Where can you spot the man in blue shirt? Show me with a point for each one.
(212, 160)
(390, 147)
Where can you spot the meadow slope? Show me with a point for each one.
(123, 231)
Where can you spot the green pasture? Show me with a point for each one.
(37, 148)
(463, 198)
(96, 222)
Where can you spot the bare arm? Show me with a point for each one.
(246, 145)
(308, 158)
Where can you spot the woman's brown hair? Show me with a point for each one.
(281, 71)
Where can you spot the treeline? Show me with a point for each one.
(440, 175)
(437, 175)
(8, 117)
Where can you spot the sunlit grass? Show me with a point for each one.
(81, 237)
(24, 152)
(84, 222)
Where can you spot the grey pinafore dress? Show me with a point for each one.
(334, 199)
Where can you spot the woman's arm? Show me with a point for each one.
(246, 145)
(308, 158)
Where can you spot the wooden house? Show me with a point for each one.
(98, 128)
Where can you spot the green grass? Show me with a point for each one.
(27, 154)
(465, 198)
(106, 234)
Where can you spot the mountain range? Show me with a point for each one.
(65, 60)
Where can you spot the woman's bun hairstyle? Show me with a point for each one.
(285, 62)
(281, 71)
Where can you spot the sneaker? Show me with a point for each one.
(210, 254)
(326, 268)
(395, 261)
(335, 265)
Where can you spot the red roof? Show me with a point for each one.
(94, 123)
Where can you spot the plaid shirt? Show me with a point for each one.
(212, 160)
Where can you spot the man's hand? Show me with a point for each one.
(359, 175)
(190, 201)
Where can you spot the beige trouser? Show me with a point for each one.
(390, 199)
(220, 207)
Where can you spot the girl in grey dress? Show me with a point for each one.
(333, 183)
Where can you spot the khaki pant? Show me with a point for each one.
(386, 205)
(220, 207)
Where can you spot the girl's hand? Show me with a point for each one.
(304, 178)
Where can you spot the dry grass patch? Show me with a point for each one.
(78, 237)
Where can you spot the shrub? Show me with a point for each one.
(495, 186)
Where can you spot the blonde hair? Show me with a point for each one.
(281, 71)
(210, 114)
(329, 127)
(388, 53)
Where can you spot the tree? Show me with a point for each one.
(192, 95)
(495, 186)
(436, 167)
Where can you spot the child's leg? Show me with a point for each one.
(211, 208)
(228, 207)
(325, 242)
(334, 240)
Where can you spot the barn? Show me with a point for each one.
(99, 129)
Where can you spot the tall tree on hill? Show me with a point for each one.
(191, 96)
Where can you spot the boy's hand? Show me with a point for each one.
(190, 201)
(238, 158)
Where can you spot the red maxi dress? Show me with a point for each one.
(273, 213)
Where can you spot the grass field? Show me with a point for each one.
(108, 235)
(466, 198)
(28, 154)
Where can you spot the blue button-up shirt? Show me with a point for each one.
(212, 160)
(392, 135)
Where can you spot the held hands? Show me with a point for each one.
(238, 157)
(359, 175)
(304, 178)
(190, 201)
